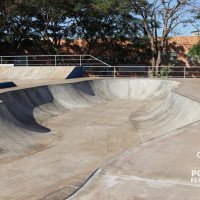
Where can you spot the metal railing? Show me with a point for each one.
(52, 60)
(95, 67)
(142, 71)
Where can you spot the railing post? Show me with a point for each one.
(1, 60)
(80, 60)
(184, 71)
(26, 60)
(114, 71)
(55, 60)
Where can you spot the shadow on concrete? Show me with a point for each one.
(21, 104)
(7, 85)
(77, 72)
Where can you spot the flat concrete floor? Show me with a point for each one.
(104, 137)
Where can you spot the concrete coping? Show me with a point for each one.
(6, 65)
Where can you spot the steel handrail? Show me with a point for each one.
(26, 60)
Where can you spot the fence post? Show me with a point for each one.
(1, 60)
(55, 60)
(184, 71)
(80, 61)
(114, 71)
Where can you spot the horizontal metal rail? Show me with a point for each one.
(52, 60)
(95, 67)
(143, 71)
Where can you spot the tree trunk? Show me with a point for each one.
(153, 55)
(158, 61)
(159, 56)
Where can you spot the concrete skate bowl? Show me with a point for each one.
(73, 128)
(24, 113)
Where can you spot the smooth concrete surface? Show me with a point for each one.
(158, 169)
(34, 73)
(6, 65)
(142, 135)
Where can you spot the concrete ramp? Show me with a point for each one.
(35, 73)
(175, 111)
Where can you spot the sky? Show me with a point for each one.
(185, 30)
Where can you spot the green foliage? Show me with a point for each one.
(49, 21)
(194, 52)
(164, 71)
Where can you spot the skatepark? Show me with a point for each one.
(98, 138)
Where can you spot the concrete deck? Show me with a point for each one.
(141, 136)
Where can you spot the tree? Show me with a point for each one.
(51, 22)
(41, 25)
(161, 16)
(16, 24)
(106, 23)
(194, 52)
